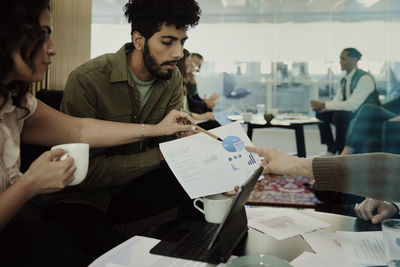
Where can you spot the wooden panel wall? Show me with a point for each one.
(71, 21)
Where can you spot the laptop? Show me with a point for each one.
(209, 242)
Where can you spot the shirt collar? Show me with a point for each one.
(8, 107)
(351, 74)
(120, 68)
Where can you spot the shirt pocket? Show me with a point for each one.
(156, 115)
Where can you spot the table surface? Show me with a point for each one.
(256, 242)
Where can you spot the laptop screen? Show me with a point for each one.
(238, 203)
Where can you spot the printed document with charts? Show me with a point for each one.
(206, 166)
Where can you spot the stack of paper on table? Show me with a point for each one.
(135, 252)
(206, 166)
(348, 249)
(282, 223)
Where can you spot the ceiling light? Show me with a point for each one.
(367, 3)
(233, 3)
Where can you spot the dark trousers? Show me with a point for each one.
(341, 120)
(35, 242)
(143, 197)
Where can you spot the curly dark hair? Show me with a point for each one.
(21, 32)
(147, 16)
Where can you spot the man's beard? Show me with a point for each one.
(152, 66)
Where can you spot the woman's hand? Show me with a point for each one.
(174, 122)
(48, 173)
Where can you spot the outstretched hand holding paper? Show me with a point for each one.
(206, 166)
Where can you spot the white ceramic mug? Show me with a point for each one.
(80, 153)
(215, 207)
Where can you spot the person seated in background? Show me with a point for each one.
(196, 103)
(207, 118)
(356, 88)
(26, 239)
(365, 133)
(373, 174)
(140, 83)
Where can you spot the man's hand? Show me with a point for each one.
(317, 105)
(366, 210)
(174, 122)
(279, 163)
(211, 101)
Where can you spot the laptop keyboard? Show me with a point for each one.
(194, 246)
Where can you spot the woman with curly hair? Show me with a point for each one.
(26, 48)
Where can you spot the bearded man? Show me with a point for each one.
(140, 83)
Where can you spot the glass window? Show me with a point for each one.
(279, 53)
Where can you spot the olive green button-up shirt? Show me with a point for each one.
(103, 88)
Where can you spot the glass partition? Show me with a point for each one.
(278, 53)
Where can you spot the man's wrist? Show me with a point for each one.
(304, 167)
(397, 208)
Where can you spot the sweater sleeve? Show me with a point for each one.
(375, 175)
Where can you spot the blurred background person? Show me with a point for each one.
(196, 103)
(356, 88)
(207, 119)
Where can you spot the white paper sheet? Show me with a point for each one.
(135, 252)
(282, 224)
(307, 259)
(205, 166)
(328, 247)
(366, 248)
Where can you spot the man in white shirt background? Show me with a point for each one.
(356, 88)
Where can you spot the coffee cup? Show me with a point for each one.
(80, 153)
(215, 207)
(246, 116)
(268, 117)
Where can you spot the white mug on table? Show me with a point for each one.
(80, 153)
(215, 207)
